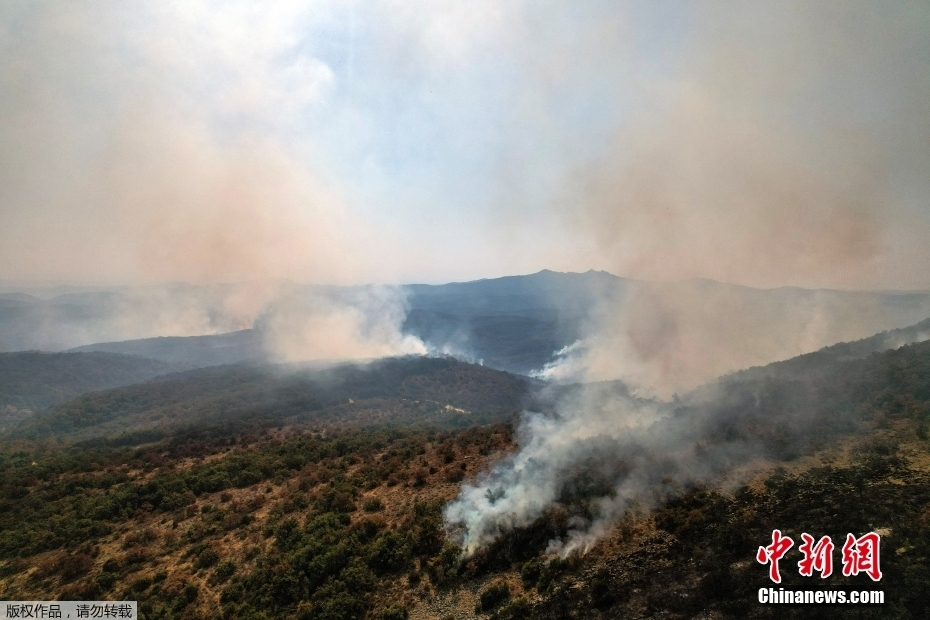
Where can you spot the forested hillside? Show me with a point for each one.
(193, 351)
(333, 510)
(34, 380)
(817, 361)
(390, 391)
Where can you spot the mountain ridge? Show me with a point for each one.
(512, 323)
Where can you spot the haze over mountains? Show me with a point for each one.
(560, 326)
(191, 351)
(226, 393)
(778, 411)
(368, 373)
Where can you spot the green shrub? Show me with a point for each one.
(334, 602)
(530, 572)
(207, 558)
(140, 585)
(287, 535)
(394, 612)
(106, 580)
(444, 567)
(517, 609)
(493, 596)
(223, 571)
(389, 552)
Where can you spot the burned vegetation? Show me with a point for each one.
(276, 524)
(328, 511)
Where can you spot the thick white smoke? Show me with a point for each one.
(296, 322)
(601, 448)
(352, 323)
(667, 338)
(600, 453)
(520, 487)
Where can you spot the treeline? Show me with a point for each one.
(34, 380)
(787, 417)
(413, 390)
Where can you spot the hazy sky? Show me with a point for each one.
(432, 140)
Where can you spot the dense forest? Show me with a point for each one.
(244, 492)
(390, 391)
(33, 380)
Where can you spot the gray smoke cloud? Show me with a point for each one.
(764, 143)
(352, 323)
(521, 486)
(667, 338)
(592, 452)
(604, 451)
(295, 322)
(612, 447)
(149, 143)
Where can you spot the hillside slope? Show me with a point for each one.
(816, 361)
(191, 351)
(34, 380)
(388, 391)
(338, 524)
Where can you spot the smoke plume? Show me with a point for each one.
(598, 449)
(353, 323)
(593, 452)
(667, 338)
(764, 143)
(774, 151)
(521, 486)
(294, 322)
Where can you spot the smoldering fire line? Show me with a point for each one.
(598, 451)
(604, 450)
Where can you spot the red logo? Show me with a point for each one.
(773, 553)
(817, 557)
(860, 555)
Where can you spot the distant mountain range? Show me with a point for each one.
(514, 323)
(109, 394)
(190, 351)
